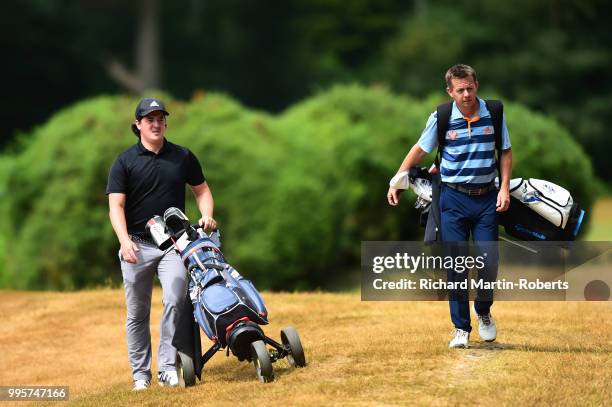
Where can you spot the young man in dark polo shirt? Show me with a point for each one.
(144, 181)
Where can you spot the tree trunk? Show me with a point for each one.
(147, 45)
(147, 75)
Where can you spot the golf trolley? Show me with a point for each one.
(225, 305)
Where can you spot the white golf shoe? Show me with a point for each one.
(168, 379)
(487, 328)
(141, 385)
(460, 339)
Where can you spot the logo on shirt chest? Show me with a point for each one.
(487, 130)
(451, 134)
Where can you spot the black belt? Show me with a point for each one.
(142, 239)
(471, 191)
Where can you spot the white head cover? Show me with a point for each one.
(420, 186)
(400, 180)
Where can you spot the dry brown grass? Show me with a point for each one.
(359, 353)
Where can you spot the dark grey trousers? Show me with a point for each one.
(138, 284)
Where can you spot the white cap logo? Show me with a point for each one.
(153, 103)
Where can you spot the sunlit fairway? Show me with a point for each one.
(358, 353)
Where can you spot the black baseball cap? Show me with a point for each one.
(146, 106)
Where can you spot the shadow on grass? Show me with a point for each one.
(526, 347)
(235, 371)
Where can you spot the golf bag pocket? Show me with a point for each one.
(254, 296)
(212, 276)
(522, 222)
(550, 201)
(218, 299)
(223, 304)
(202, 320)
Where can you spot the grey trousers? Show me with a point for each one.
(138, 284)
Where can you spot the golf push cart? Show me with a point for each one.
(225, 305)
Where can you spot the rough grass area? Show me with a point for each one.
(358, 353)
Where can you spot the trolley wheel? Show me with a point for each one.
(186, 369)
(291, 339)
(262, 361)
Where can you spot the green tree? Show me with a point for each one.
(553, 57)
(295, 193)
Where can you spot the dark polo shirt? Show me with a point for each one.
(153, 182)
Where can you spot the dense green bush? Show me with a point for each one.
(295, 194)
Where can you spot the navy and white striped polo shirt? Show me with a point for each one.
(468, 156)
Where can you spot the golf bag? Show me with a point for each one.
(542, 211)
(222, 299)
(220, 295)
(224, 305)
(539, 210)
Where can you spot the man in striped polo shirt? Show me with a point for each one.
(469, 201)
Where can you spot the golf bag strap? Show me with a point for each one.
(443, 112)
(432, 229)
(229, 280)
(496, 108)
(201, 245)
(214, 266)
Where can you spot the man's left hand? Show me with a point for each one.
(207, 223)
(503, 200)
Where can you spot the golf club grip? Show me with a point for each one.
(197, 226)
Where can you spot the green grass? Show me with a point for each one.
(2, 259)
(600, 222)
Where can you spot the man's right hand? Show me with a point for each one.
(128, 251)
(393, 196)
(414, 157)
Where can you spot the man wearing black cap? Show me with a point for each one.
(144, 181)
